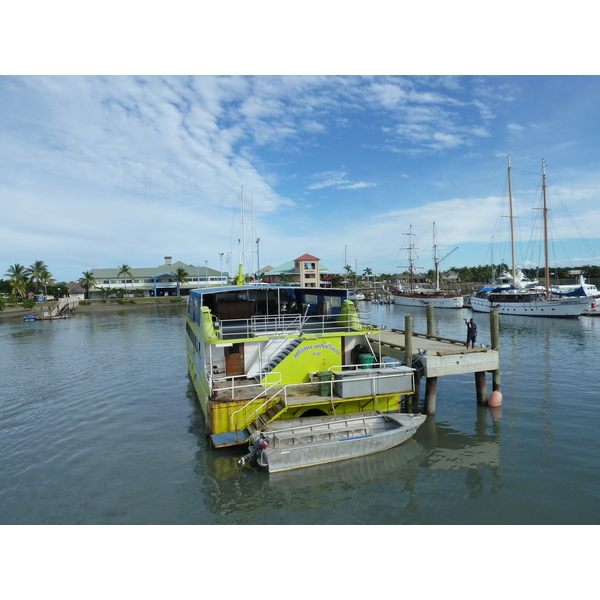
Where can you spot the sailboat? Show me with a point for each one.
(530, 302)
(418, 296)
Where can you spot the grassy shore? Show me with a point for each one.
(94, 306)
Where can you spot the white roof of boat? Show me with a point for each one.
(239, 288)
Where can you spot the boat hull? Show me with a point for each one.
(569, 309)
(437, 301)
(336, 440)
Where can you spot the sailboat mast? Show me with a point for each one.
(436, 262)
(253, 238)
(512, 226)
(243, 236)
(410, 257)
(547, 264)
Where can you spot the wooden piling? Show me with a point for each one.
(430, 320)
(481, 388)
(408, 360)
(408, 335)
(495, 342)
(430, 395)
(417, 394)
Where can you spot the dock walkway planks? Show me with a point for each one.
(437, 356)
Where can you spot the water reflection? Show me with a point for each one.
(397, 463)
(449, 449)
(237, 493)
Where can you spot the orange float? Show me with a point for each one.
(495, 399)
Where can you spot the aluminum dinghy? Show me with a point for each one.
(331, 440)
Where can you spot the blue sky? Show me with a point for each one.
(102, 169)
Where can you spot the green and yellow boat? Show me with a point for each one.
(263, 354)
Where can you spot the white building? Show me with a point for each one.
(156, 281)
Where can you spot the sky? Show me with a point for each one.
(102, 167)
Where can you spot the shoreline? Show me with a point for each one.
(99, 307)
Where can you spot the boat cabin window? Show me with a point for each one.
(244, 304)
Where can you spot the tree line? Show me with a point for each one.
(476, 274)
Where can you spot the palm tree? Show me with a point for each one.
(125, 270)
(18, 279)
(349, 274)
(38, 272)
(88, 280)
(180, 277)
(367, 273)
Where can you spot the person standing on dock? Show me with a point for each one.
(471, 333)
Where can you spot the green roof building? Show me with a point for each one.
(155, 281)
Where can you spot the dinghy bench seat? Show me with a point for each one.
(353, 433)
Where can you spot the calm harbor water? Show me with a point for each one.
(99, 426)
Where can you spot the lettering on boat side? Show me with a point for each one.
(316, 348)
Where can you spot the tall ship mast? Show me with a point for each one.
(530, 302)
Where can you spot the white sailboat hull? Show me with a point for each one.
(438, 301)
(571, 308)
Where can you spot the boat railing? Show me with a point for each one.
(361, 366)
(351, 368)
(233, 387)
(268, 325)
(245, 419)
(282, 393)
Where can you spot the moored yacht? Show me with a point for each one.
(529, 301)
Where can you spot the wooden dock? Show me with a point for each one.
(438, 356)
(433, 356)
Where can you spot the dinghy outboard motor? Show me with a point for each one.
(256, 445)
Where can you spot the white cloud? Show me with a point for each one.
(333, 179)
(515, 128)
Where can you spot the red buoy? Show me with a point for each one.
(495, 399)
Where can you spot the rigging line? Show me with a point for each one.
(513, 169)
(556, 192)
